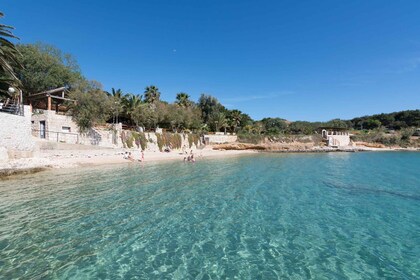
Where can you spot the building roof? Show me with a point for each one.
(57, 91)
(48, 99)
(333, 128)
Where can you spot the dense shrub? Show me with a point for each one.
(378, 136)
(250, 138)
(140, 140)
(129, 138)
(406, 133)
(175, 140)
(159, 141)
(123, 138)
(129, 141)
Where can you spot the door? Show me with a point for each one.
(42, 129)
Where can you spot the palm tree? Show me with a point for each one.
(182, 99)
(131, 102)
(248, 128)
(224, 125)
(235, 117)
(117, 98)
(218, 120)
(117, 94)
(151, 94)
(8, 57)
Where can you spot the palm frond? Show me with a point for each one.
(8, 57)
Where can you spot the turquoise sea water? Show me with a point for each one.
(269, 216)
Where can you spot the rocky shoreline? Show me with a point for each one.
(6, 173)
(303, 148)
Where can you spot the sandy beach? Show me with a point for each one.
(79, 158)
(76, 158)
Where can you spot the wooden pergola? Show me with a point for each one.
(47, 99)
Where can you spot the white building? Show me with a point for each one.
(51, 122)
(336, 137)
(219, 138)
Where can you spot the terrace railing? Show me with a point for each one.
(15, 109)
(58, 136)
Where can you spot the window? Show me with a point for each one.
(65, 129)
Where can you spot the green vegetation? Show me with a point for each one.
(9, 60)
(140, 139)
(250, 138)
(392, 121)
(170, 140)
(395, 121)
(92, 107)
(46, 67)
(160, 141)
(123, 138)
(183, 100)
(401, 138)
(193, 139)
(131, 138)
(151, 95)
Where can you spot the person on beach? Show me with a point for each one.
(142, 155)
(130, 157)
(190, 159)
(125, 156)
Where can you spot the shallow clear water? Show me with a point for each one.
(276, 216)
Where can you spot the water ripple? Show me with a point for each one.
(259, 217)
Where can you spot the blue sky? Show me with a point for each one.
(299, 60)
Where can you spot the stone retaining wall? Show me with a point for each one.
(15, 134)
(219, 139)
(152, 142)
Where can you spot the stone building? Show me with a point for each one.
(54, 126)
(51, 122)
(335, 137)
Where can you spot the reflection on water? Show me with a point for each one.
(329, 216)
